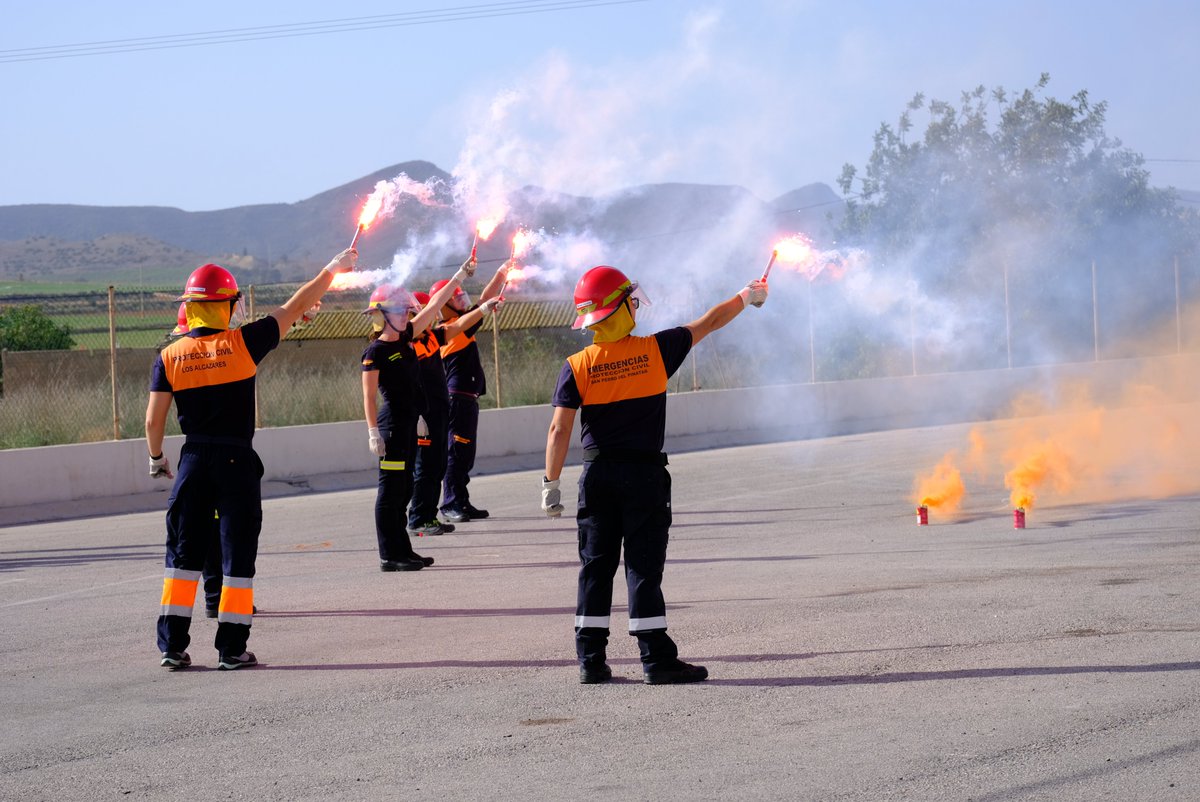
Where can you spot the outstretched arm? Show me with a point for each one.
(492, 288)
(308, 295)
(753, 293)
(424, 319)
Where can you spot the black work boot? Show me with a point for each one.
(594, 673)
(675, 673)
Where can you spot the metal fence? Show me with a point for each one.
(810, 332)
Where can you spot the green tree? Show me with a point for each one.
(28, 328)
(1022, 184)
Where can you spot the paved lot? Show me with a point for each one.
(853, 655)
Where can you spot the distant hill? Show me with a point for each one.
(272, 242)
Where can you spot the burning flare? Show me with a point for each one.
(797, 254)
(522, 241)
(485, 227)
(370, 209)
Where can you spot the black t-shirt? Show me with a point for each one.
(621, 388)
(429, 360)
(464, 370)
(399, 380)
(211, 374)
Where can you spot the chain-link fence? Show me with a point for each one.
(95, 387)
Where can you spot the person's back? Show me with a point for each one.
(621, 388)
(209, 375)
(212, 376)
(619, 385)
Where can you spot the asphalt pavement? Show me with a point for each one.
(852, 654)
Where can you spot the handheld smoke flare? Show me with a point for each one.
(483, 230)
(770, 263)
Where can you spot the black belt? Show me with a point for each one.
(624, 455)
(218, 440)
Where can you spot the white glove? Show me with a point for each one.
(310, 315)
(466, 271)
(551, 498)
(160, 468)
(375, 441)
(344, 262)
(492, 304)
(754, 293)
(422, 427)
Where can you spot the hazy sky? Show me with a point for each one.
(768, 94)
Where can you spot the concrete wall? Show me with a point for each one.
(77, 473)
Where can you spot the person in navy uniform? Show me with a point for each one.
(620, 384)
(390, 369)
(209, 373)
(465, 383)
(434, 424)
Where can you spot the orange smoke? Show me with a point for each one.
(1038, 464)
(1139, 439)
(942, 489)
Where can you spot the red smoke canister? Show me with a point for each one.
(922, 516)
(1019, 518)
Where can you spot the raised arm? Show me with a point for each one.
(496, 282)
(753, 293)
(308, 295)
(424, 319)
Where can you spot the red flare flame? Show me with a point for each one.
(521, 241)
(485, 227)
(370, 210)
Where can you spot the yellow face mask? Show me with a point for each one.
(613, 327)
(378, 322)
(208, 315)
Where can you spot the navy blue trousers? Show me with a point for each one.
(430, 467)
(212, 567)
(224, 478)
(460, 450)
(395, 485)
(623, 504)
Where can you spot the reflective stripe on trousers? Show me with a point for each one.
(179, 592)
(237, 600)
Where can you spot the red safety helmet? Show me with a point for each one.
(599, 293)
(387, 298)
(181, 324)
(460, 295)
(210, 283)
(421, 298)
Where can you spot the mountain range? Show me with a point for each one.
(287, 241)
